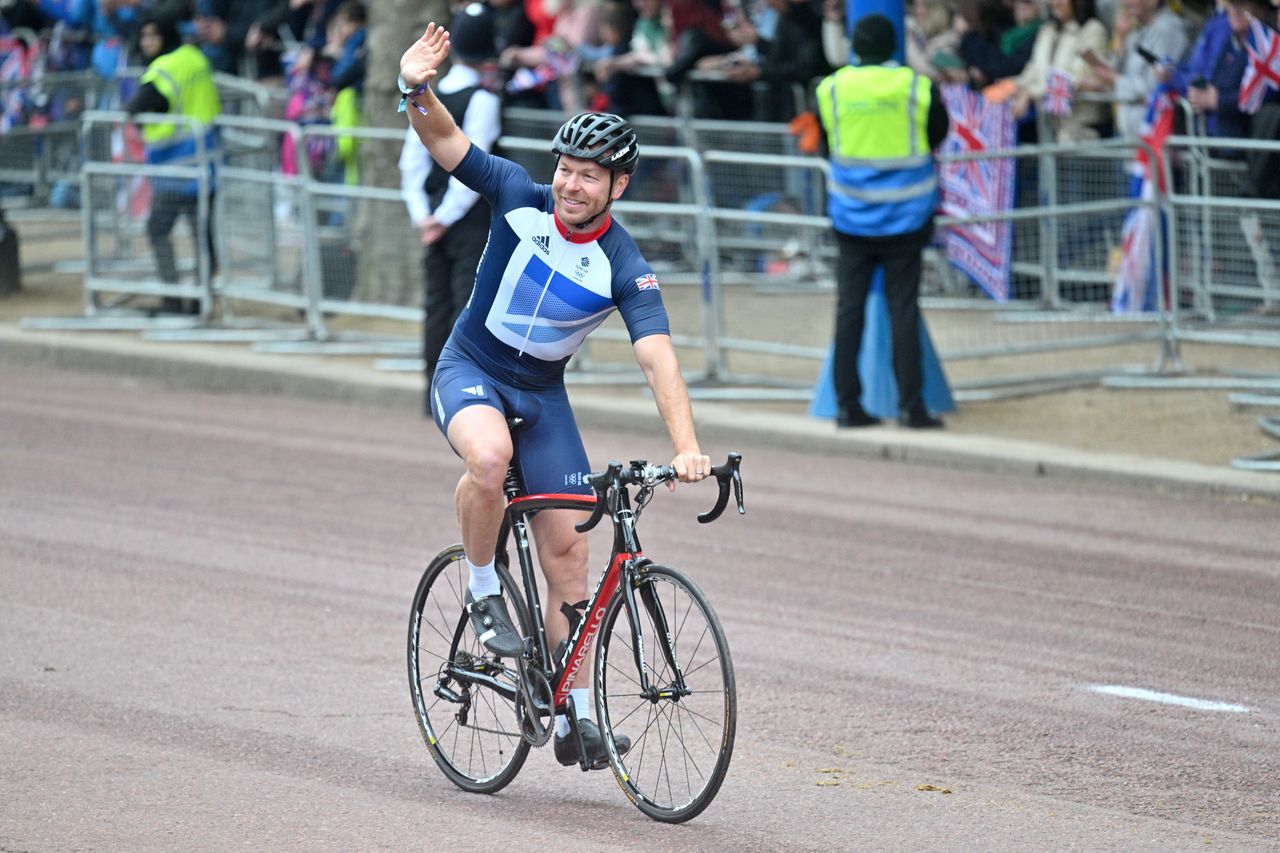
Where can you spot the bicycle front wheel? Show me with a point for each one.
(682, 729)
(463, 695)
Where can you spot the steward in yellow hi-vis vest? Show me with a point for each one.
(179, 81)
(876, 119)
(881, 122)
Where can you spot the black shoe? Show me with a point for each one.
(855, 417)
(919, 419)
(597, 753)
(492, 624)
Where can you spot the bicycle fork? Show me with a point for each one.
(648, 595)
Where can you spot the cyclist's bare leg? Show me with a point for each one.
(562, 553)
(480, 436)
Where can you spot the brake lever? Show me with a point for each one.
(730, 471)
(601, 483)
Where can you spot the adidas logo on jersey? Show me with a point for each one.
(543, 243)
(474, 390)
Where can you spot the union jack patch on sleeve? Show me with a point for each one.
(648, 282)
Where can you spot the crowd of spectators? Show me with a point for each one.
(741, 59)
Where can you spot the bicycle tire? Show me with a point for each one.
(680, 746)
(463, 736)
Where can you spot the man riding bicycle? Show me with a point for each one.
(555, 266)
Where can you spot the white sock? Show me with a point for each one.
(483, 581)
(581, 702)
(581, 708)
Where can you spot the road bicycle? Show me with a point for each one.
(662, 672)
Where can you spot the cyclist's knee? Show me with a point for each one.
(487, 467)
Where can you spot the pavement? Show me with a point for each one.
(722, 423)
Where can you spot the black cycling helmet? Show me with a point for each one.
(603, 138)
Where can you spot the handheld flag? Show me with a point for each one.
(1059, 93)
(1135, 287)
(1262, 74)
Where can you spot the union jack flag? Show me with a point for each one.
(558, 64)
(1136, 285)
(15, 65)
(1058, 93)
(648, 282)
(1263, 71)
(973, 188)
(15, 61)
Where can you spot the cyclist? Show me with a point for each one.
(555, 266)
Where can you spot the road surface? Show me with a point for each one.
(204, 598)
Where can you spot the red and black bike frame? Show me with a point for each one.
(626, 565)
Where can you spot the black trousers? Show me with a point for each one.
(166, 207)
(450, 266)
(901, 257)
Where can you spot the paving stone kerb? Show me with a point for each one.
(225, 369)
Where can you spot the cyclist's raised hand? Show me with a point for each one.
(425, 56)
(691, 467)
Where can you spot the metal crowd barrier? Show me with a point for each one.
(739, 238)
(36, 157)
(114, 207)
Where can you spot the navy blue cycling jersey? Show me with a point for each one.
(540, 290)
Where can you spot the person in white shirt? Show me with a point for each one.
(452, 220)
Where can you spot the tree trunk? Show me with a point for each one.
(387, 265)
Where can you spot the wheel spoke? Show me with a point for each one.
(680, 745)
(484, 754)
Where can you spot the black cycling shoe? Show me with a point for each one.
(493, 626)
(593, 742)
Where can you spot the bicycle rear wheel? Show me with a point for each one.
(469, 726)
(681, 739)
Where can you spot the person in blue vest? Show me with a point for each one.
(178, 80)
(881, 122)
(452, 219)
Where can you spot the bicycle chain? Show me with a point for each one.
(491, 731)
(532, 729)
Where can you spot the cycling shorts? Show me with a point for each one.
(548, 447)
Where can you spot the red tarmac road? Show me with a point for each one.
(204, 598)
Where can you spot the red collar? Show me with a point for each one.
(579, 237)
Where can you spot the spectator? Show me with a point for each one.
(1203, 55)
(928, 36)
(698, 32)
(178, 79)
(623, 91)
(881, 122)
(995, 41)
(221, 27)
(1150, 36)
(1072, 28)
(512, 28)
(452, 220)
(23, 14)
(295, 30)
(574, 41)
(791, 55)
(511, 25)
(1215, 93)
(345, 46)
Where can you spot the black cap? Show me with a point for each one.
(471, 34)
(874, 40)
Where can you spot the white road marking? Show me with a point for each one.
(1166, 698)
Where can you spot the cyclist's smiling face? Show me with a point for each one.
(582, 189)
